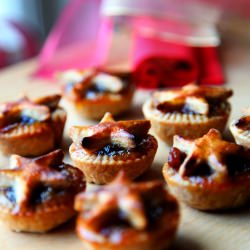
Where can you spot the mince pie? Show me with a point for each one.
(31, 128)
(190, 111)
(102, 150)
(37, 194)
(241, 130)
(208, 173)
(94, 92)
(124, 215)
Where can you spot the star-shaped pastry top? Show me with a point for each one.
(190, 98)
(121, 133)
(44, 174)
(209, 153)
(78, 82)
(25, 111)
(119, 198)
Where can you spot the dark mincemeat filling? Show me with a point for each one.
(236, 164)
(243, 123)
(43, 193)
(94, 90)
(112, 150)
(39, 194)
(215, 108)
(116, 150)
(175, 158)
(113, 223)
(18, 121)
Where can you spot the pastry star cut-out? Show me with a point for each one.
(122, 133)
(209, 149)
(121, 196)
(195, 98)
(25, 173)
(82, 80)
(39, 109)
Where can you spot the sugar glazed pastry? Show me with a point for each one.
(125, 215)
(94, 92)
(240, 129)
(208, 173)
(31, 128)
(190, 111)
(37, 194)
(102, 150)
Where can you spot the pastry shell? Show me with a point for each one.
(95, 108)
(91, 150)
(34, 139)
(208, 173)
(160, 238)
(141, 232)
(187, 125)
(39, 221)
(208, 196)
(24, 213)
(103, 169)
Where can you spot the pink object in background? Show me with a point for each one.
(158, 64)
(210, 69)
(79, 39)
(168, 52)
(174, 52)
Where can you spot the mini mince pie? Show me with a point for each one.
(37, 194)
(125, 215)
(241, 130)
(208, 173)
(31, 128)
(94, 92)
(102, 150)
(190, 111)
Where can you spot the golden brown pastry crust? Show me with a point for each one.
(38, 194)
(102, 168)
(37, 138)
(190, 125)
(220, 189)
(95, 108)
(127, 198)
(240, 129)
(38, 222)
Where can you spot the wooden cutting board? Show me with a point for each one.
(198, 230)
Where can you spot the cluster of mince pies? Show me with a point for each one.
(38, 191)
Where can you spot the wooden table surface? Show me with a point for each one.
(198, 230)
